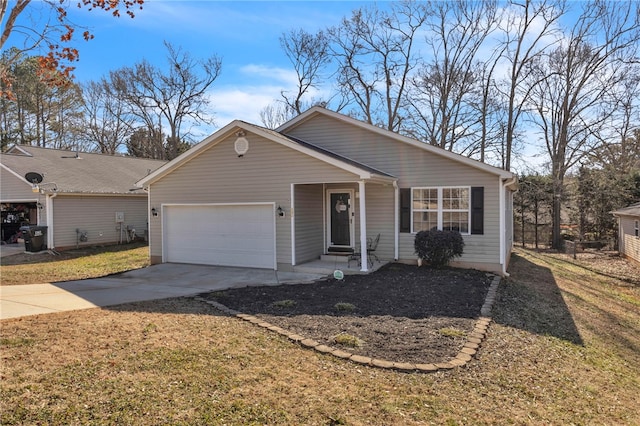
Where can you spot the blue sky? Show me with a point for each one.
(244, 34)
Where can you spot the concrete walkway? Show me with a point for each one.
(11, 249)
(151, 283)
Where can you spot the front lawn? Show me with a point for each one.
(564, 348)
(89, 262)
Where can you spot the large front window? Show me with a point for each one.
(441, 208)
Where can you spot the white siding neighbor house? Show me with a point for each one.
(82, 198)
(323, 183)
(629, 231)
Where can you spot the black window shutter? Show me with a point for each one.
(405, 210)
(477, 210)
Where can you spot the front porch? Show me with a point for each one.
(330, 221)
(328, 263)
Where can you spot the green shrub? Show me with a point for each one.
(451, 332)
(344, 307)
(288, 303)
(347, 340)
(438, 248)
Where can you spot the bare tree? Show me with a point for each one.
(276, 114)
(108, 124)
(446, 90)
(492, 112)
(575, 84)
(375, 54)
(168, 98)
(308, 54)
(529, 31)
(620, 145)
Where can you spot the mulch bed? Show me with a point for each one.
(400, 313)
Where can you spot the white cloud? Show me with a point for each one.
(241, 103)
(287, 77)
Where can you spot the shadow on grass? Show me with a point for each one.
(531, 300)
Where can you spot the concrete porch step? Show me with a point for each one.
(332, 257)
(327, 267)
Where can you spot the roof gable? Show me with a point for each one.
(362, 170)
(316, 111)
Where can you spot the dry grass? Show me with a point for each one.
(89, 262)
(564, 349)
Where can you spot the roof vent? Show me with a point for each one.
(242, 144)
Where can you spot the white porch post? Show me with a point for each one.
(396, 220)
(363, 227)
(293, 226)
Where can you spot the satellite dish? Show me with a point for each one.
(33, 177)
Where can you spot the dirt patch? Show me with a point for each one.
(400, 313)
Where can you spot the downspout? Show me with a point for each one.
(503, 221)
(396, 221)
(49, 206)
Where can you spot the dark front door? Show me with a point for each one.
(340, 218)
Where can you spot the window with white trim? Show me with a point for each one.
(442, 208)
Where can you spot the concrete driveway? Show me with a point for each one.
(151, 283)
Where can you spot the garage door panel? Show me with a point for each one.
(228, 235)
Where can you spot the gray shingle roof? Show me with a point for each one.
(632, 210)
(89, 173)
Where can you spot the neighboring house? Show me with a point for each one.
(82, 198)
(322, 183)
(629, 231)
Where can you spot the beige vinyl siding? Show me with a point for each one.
(414, 167)
(263, 174)
(629, 243)
(13, 188)
(380, 218)
(309, 224)
(97, 216)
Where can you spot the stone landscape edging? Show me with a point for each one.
(466, 354)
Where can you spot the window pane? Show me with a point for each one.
(456, 221)
(425, 199)
(423, 221)
(464, 198)
(455, 198)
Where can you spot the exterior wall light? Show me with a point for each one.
(154, 211)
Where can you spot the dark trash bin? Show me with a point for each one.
(35, 238)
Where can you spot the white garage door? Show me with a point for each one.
(228, 235)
